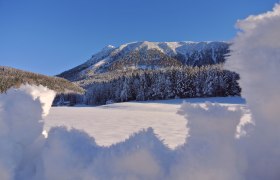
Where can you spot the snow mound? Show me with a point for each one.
(256, 57)
(211, 151)
(21, 114)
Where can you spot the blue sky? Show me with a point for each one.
(50, 36)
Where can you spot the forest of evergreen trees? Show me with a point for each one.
(168, 83)
(129, 85)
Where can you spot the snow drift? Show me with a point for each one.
(256, 57)
(211, 151)
(21, 112)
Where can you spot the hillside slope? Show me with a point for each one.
(11, 77)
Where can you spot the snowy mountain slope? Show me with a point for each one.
(149, 55)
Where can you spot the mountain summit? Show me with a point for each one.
(149, 55)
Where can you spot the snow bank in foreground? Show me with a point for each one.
(256, 57)
(21, 112)
(26, 154)
(211, 151)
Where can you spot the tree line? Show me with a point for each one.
(167, 83)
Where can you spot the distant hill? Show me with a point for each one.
(146, 56)
(11, 77)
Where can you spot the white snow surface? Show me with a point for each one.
(113, 123)
(170, 48)
(21, 114)
(74, 154)
(256, 57)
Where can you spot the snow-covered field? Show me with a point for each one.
(114, 123)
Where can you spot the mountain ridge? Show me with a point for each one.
(149, 55)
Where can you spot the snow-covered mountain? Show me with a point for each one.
(149, 55)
